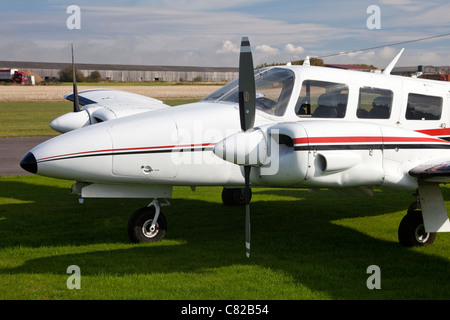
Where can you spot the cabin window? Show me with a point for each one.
(374, 103)
(273, 90)
(321, 99)
(423, 107)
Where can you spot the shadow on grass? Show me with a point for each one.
(294, 236)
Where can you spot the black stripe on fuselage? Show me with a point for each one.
(128, 153)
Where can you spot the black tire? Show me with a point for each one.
(413, 207)
(140, 222)
(411, 231)
(234, 196)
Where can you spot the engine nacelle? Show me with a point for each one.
(322, 154)
(284, 165)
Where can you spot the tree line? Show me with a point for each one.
(66, 75)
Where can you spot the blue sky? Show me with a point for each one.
(208, 32)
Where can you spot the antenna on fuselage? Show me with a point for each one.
(393, 63)
(306, 62)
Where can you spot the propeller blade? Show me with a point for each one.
(247, 210)
(76, 103)
(247, 93)
(247, 103)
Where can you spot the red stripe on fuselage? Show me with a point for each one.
(436, 132)
(368, 139)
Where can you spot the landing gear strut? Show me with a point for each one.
(148, 224)
(411, 231)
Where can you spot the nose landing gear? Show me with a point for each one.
(148, 224)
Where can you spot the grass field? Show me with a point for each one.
(304, 246)
(25, 119)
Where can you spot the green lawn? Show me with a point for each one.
(26, 119)
(304, 246)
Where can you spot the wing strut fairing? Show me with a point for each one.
(434, 212)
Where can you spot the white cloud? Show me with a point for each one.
(206, 5)
(291, 49)
(228, 47)
(398, 2)
(265, 49)
(408, 5)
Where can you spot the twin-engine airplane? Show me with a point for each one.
(286, 126)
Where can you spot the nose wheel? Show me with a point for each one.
(147, 224)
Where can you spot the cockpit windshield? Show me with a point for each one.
(273, 91)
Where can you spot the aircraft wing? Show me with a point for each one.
(107, 97)
(103, 105)
(433, 171)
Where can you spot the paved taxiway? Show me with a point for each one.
(12, 151)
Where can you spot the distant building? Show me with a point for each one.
(430, 72)
(129, 73)
(423, 71)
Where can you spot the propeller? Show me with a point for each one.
(76, 119)
(76, 104)
(247, 101)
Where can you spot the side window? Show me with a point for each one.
(374, 103)
(422, 107)
(321, 99)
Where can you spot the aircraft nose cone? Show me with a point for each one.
(29, 163)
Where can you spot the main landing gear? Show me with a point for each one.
(148, 224)
(234, 196)
(411, 231)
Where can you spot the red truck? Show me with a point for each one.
(14, 75)
(444, 77)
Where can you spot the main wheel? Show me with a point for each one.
(411, 231)
(140, 222)
(234, 196)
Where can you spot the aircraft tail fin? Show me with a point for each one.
(393, 63)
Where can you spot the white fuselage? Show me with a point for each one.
(174, 146)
